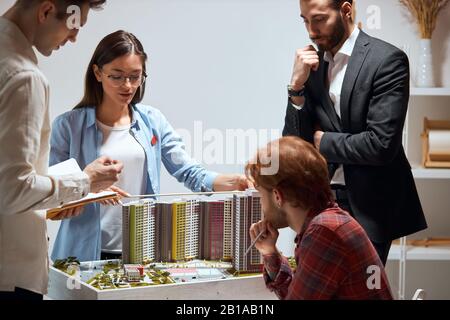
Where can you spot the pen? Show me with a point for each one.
(253, 242)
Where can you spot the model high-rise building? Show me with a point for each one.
(163, 231)
(169, 234)
(192, 229)
(188, 229)
(255, 261)
(228, 229)
(178, 231)
(211, 230)
(247, 210)
(138, 232)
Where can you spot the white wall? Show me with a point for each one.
(226, 63)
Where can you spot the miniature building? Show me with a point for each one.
(163, 232)
(132, 273)
(138, 236)
(138, 267)
(188, 229)
(178, 231)
(228, 229)
(247, 210)
(211, 230)
(192, 229)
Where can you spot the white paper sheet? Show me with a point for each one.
(66, 167)
(70, 167)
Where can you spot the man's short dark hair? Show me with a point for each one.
(337, 4)
(62, 5)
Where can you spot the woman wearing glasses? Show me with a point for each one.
(110, 121)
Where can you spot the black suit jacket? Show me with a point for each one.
(367, 139)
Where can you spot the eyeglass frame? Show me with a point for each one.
(124, 79)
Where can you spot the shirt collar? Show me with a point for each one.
(17, 39)
(311, 215)
(347, 47)
(92, 119)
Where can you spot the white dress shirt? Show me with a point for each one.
(337, 66)
(25, 188)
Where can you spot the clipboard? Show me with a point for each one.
(91, 198)
(71, 166)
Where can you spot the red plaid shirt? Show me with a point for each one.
(335, 260)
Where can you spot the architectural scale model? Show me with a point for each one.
(113, 274)
(187, 229)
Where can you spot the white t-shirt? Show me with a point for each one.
(119, 144)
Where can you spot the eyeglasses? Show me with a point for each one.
(135, 80)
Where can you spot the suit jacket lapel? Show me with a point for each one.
(353, 68)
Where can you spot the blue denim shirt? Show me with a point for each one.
(75, 135)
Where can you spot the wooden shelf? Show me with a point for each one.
(421, 253)
(430, 91)
(431, 173)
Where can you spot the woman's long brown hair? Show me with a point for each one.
(111, 47)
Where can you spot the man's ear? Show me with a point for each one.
(45, 9)
(347, 11)
(278, 198)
